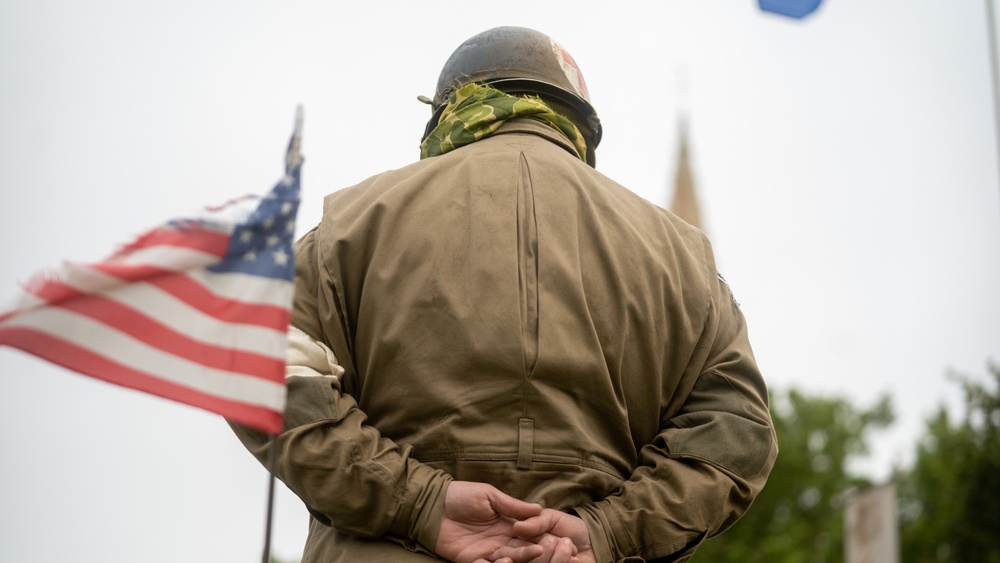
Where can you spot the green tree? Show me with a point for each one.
(948, 502)
(795, 519)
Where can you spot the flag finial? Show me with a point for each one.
(293, 158)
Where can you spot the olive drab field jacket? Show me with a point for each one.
(504, 313)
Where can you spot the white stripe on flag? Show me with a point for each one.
(183, 319)
(173, 258)
(123, 349)
(78, 276)
(179, 317)
(255, 290)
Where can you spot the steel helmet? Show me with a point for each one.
(519, 60)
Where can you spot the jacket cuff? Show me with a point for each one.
(611, 542)
(599, 528)
(421, 505)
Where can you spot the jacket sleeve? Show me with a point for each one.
(346, 473)
(708, 462)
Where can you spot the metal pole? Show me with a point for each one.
(293, 159)
(272, 457)
(992, 26)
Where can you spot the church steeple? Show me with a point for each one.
(685, 202)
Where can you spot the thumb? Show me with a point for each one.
(506, 505)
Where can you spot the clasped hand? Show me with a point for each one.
(480, 524)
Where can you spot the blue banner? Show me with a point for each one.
(790, 8)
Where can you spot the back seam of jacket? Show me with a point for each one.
(527, 262)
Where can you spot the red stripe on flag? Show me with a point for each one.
(132, 272)
(187, 235)
(89, 363)
(51, 290)
(263, 418)
(230, 310)
(147, 329)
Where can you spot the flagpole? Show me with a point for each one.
(272, 458)
(293, 159)
(995, 73)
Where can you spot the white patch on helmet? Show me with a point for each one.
(571, 70)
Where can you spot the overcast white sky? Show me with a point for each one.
(846, 164)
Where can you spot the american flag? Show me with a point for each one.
(195, 310)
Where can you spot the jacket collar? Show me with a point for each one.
(532, 127)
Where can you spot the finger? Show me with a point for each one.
(534, 526)
(519, 554)
(506, 505)
(517, 542)
(549, 542)
(564, 551)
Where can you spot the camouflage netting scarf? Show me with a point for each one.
(475, 111)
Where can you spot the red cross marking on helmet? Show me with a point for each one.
(571, 70)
